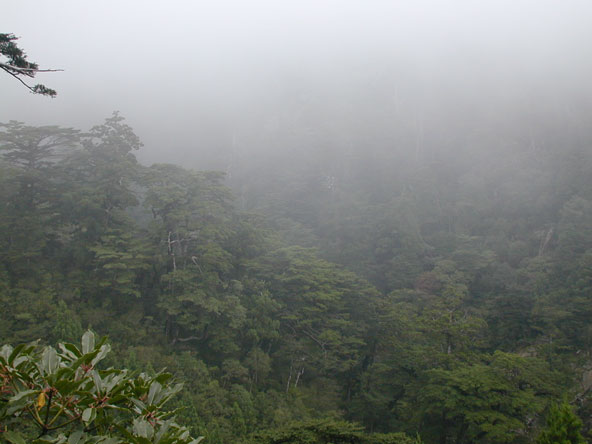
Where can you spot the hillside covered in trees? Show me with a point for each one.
(377, 299)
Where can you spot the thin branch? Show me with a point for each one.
(190, 338)
(57, 415)
(65, 423)
(17, 77)
(48, 408)
(26, 71)
(35, 416)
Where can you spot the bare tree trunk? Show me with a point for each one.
(545, 241)
(289, 379)
(298, 375)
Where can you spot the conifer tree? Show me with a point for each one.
(18, 66)
(563, 426)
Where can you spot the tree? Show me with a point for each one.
(323, 315)
(101, 188)
(493, 401)
(327, 431)
(31, 190)
(18, 66)
(57, 397)
(563, 426)
(107, 171)
(193, 227)
(34, 148)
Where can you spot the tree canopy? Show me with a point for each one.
(17, 65)
(348, 316)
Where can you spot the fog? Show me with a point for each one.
(397, 236)
(229, 84)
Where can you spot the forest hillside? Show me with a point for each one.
(376, 299)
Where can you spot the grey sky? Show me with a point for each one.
(188, 73)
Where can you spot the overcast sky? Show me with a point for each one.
(177, 69)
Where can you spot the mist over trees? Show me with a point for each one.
(345, 224)
(456, 315)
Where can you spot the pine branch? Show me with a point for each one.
(25, 71)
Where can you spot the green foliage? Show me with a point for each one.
(67, 326)
(34, 148)
(446, 305)
(324, 311)
(18, 66)
(31, 192)
(51, 396)
(563, 426)
(119, 259)
(491, 401)
(327, 432)
(27, 313)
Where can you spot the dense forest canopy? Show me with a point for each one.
(377, 231)
(420, 306)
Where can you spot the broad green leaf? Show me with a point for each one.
(162, 431)
(103, 351)
(22, 394)
(88, 415)
(143, 428)
(14, 437)
(88, 342)
(50, 360)
(70, 350)
(75, 437)
(14, 353)
(153, 394)
(5, 352)
(97, 380)
(140, 406)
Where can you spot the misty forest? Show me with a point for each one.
(378, 244)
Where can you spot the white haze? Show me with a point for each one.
(200, 81)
